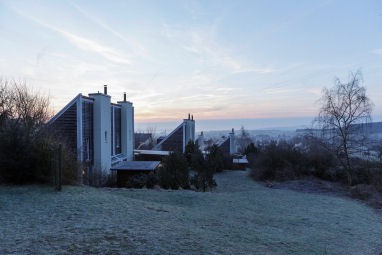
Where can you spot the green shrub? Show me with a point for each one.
(282, 161)
(203, 180)
(251, 149)
(190, 150)
(174, 173)
(215, 158)
(137, 181)
(152, 180)
(362, 191)
(277, 161)
(26, 146)
(25, 159)
(227, 162)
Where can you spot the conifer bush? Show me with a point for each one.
(174, 172)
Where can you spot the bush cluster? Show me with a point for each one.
(175, 170)
(26, 147)
(283, 161)
(203, 179)
(143, 180)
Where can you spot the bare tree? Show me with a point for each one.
(23, 144)
(344, 112)
(6, 102)
(21, 105)
(152, 130)
(243, 139)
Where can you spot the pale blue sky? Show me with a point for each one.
(215, 59)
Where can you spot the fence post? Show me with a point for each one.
(58, 168)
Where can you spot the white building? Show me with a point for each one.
(101, 133)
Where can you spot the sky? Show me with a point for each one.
(218, 60)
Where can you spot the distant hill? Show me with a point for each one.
(372, 128)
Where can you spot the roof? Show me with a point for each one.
(168, 136)
(136, 166)
(63, 110)
(152, 152)
(240, 161)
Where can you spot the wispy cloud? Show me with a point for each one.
(377, 51)
(82, 42)
(136, 46)
(203, 44)
(86, 44)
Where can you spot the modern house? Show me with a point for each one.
(177, 140)
(228, 146)
(100, 133)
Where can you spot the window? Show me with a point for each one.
(87, 149)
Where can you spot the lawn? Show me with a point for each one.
(239, 217)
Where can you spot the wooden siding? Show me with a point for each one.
(225, 146)
(174, 142)
(65, 127)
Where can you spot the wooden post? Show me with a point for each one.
(58, 168)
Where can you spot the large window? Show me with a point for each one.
(115, 130)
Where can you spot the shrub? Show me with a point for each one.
(277, 162)
(190, 150)
(26, 160)
(137, 181)
(25, 145)
(251, 149)
(362, 191)
(152, 180)
(227, 162)
(284, 161)
(322, 164)
(203, 180)
(215, 158)
(174, 172)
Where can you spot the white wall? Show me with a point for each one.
(189, 132)
(127, 129)
(232, 143)
(102, 132)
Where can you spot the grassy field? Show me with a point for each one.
(239, 217)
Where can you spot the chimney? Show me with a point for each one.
(188, 116)
(192, 117)
(124, 97)
(105, 89)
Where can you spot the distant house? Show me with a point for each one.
(177, 140)
(143, 141)
(100, 133)
(228, 145)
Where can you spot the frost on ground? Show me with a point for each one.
(239, 217)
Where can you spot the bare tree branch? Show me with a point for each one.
(345, 108)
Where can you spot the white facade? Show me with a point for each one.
(102, 132)
(127, 129)
(188, 132)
